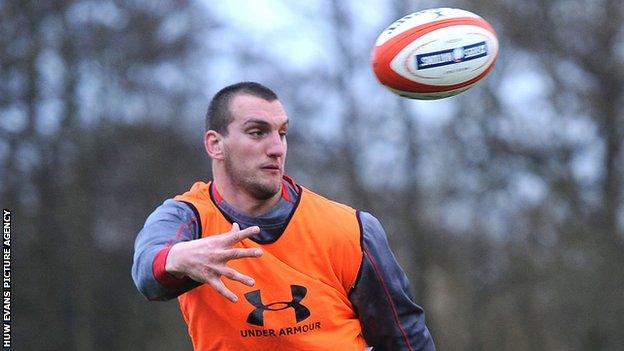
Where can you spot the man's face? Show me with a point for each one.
(255, 145)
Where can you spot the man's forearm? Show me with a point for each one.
(170, 223)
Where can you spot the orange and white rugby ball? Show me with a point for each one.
(435, 53)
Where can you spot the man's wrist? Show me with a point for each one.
(160, 273)
(171, 262)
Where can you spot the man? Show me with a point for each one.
(259, 262)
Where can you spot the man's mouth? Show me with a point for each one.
(271, 167)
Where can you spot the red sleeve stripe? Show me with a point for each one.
(181, 228)
(395, 313)
(161, 275)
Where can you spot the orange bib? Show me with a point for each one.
(300, 300)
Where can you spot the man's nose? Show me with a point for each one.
(277, 145)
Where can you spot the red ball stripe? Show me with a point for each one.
(383, 54)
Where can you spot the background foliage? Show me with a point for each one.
(505, 205)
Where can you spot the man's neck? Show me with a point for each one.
(242, 201)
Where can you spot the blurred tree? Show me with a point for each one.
(526, 190)
(80, 186)
(540, 153)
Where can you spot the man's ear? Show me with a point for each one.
(213, 143)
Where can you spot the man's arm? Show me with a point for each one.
(390, 319)
(170, 258)
(171, 223)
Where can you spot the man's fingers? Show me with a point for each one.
(233, 254)
(235, 275)
(235, 235)
(235, 227)
(218, 285)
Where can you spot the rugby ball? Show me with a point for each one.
(435, 53)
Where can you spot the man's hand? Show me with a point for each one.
(204, 260)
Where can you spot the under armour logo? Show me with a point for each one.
(256, 316)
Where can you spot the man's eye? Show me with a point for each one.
(256, 133)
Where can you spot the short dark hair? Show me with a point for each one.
(219, 116)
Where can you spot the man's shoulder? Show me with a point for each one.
(313, 196)
(171, 210)
(199, 191)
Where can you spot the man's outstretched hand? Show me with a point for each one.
(205, 260)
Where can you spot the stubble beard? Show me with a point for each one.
(250, 183)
